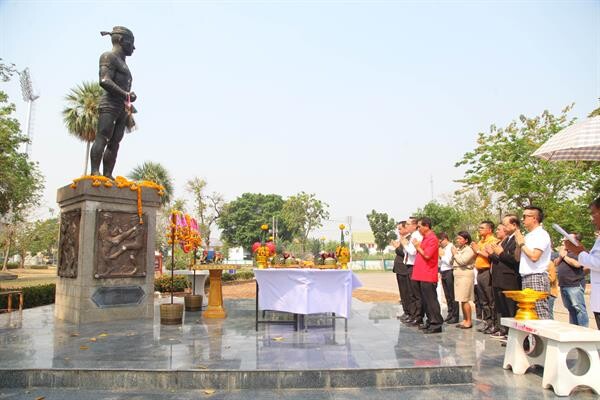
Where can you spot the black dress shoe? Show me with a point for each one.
(433, 330)
(424, 326)
(490, 330)
(483, 327)
(452, 321)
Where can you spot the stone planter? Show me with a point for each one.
(171, 314)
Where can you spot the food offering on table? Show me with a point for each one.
(342, 252)
(263, 252)
(327, 260)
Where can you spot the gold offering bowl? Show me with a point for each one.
(526, 302)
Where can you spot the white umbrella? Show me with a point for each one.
(580, 141)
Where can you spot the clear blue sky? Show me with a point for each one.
(359, 102)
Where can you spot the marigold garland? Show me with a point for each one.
(122, 182)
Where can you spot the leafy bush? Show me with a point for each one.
(227, 277)
(39, 266)
(244, 274)
(33, 296)
(12, 265)
(163, 283)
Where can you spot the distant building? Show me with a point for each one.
(365, 241)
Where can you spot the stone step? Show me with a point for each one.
(234, 379)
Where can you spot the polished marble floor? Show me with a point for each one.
(375, 339)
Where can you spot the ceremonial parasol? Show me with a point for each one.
(580, 141)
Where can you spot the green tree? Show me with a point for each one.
(501, 168)
(81, 114)
(595, 113)
(445, 218)
(44, 237)
(154, 172)
(383, 228)
(21, 182)
(6, 71)
(241, 218)
(208, 206)
(502, 164)
(303, 213)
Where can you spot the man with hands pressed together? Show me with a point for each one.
(484, 276)
(505, 269)
(425, 272)
(415, 304)
(591, 259)
(533, 252)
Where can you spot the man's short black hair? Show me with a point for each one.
(443, 235)
(540, 212)
(489, 224)
(513, 219)
(401, 223)
(425, 222)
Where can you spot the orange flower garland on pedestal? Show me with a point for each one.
(121, 182)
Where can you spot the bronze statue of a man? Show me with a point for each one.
(115, 107)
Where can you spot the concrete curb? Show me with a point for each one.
(234, 380)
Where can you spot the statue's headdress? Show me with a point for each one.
(118, 30)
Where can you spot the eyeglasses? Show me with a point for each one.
(526, 215)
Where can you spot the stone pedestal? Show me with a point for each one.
(106, 257)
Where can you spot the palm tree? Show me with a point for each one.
(81, 114)
(155, 172)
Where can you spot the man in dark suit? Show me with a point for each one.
(505, 271)
(401, 271)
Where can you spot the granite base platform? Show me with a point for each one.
(38, 350)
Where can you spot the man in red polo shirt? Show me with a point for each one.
(425, 272)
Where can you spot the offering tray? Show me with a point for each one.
(286, 266)
(326, 267)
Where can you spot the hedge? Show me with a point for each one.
(163, 283)
(33, 296)
(238, 276)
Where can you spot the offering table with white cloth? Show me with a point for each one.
(305, 291)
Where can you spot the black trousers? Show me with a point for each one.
(505, 307)
(417, 310)
(448, 286)
(486, 296)
(597, 316)
(431, 304)
(404, 290)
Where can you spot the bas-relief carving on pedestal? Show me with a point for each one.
(68, 246)
(120, 244)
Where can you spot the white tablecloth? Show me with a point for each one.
(306, 291)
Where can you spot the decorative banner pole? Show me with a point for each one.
(262, 253)
(173, 227)
(342, 252)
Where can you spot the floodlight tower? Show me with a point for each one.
(29, 97)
